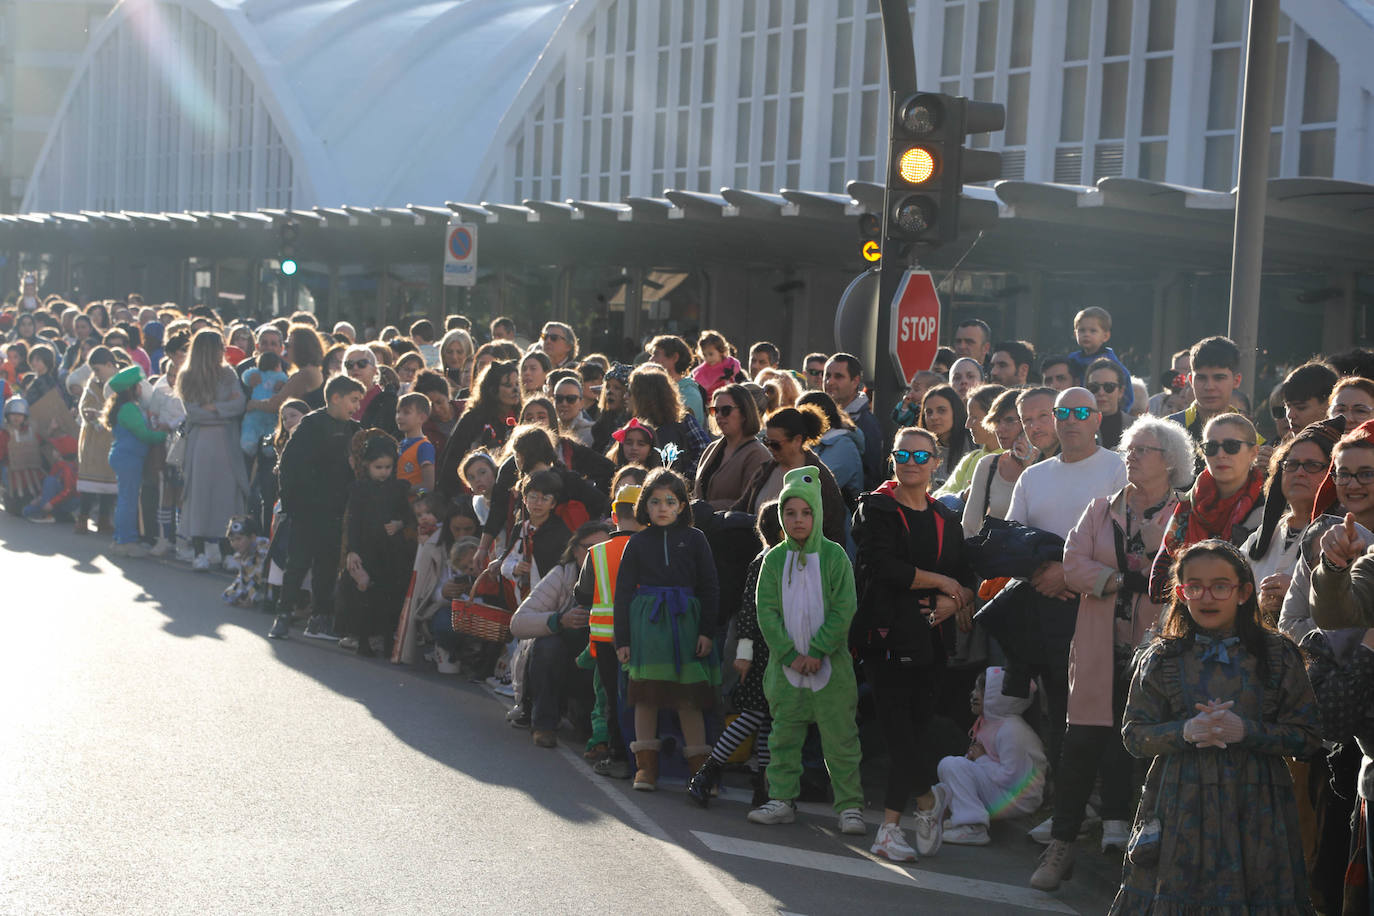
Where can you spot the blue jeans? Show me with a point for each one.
(51, 487)
(129, 479)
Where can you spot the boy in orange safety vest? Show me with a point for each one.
(596, 590)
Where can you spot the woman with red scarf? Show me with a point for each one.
(1226, 502)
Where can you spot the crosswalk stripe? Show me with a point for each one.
(985, 891)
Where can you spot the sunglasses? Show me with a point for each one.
(1109, 387)
(774, 444)
(1230, 446)
(723, 410)
(357, 364)
(1311, 466)
(554, 337)
(815, 373)
(1078, 413)
(1193, 591)
(902, 456)
(568, 398)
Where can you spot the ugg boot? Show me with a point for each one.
(704, 780)
(646, 764)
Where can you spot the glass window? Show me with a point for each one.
(1317, 153)
(704, 146)
(1152, 156)
(1280, 85)
(742, 133)
(873, 39)
(1221, 103)
(1160, 36)
(1275, 152)
(1118, 27)
(1154, 116)
(626, 143)
(1113, 120)
(662, 88)
(868, 122)
(774, 13)
(1078, 30)
(1071, 111)
(839, 124)
(986, 57)
(708, 73)
(768, 150)
(798, 60)
(660, 138)
(684, 77)
(665, 22)
(1018, 100)
(1022, 32)
(688, 13)
(794, 128)
(1218, 161)
(844, 38)
(952, 51)
(1228, 21)
(746, 67)
(771, 64)
(1319, 89)
(712, 18)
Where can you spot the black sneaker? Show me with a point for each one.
(320, 626)
(281, 627)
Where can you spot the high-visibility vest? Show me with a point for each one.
(605, 559)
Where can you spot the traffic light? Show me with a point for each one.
(928, 164)
(286, 247)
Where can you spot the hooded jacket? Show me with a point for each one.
(805, 597)
(862, 414)
(1015, 757)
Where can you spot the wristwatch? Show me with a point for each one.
(1120, 579)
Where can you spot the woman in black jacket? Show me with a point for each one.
(486, 423)
(913, 579)
(789, 434)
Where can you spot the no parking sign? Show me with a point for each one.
(460, 254)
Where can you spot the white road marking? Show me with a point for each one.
(891, 873)
(694, 867)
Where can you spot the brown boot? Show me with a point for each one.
(82, 525)
(646, 764)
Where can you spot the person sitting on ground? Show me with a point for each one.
(250, 550)
(1003, 773)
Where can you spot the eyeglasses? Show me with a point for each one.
(1109, 387)
(1230, 446)
(568, 398)
(1278, 412)
(1078, 413)
(1312, 466)
(537, 497)
(1192, 591)
(724, 410)
(1352, 410)
(1142, 449)
(1363, 475)
(902, 456)
(357, 364)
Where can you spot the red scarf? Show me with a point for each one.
(1211, 516)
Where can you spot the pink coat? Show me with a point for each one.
(1090, 563)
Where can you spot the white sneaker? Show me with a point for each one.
(444, 662)
(1115, 835)
(852, 822)
(892, 845)
(930, 823)
(966, 835)
(349, 643)
(776, 811)
(186, 553)
(232, 564)
(1041, 832)
(212, 551)
(201, 563)
(161, 548)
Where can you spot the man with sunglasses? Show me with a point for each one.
(814, 366)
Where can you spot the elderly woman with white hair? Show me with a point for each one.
(455, 358)
(1107, 562)
(378, 410)
(559, 343)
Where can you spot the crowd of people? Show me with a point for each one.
(1050, 586)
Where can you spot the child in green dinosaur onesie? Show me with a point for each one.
(806, 600)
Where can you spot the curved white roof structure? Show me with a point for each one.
(237, 104)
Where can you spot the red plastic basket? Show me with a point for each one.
(481, 621)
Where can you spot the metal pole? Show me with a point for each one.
(1252, 180)
(900, 49)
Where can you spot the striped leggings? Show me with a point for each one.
(745, 724)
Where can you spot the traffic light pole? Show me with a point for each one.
(1252, 186)
(899, 48)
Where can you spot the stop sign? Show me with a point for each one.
(915, 323)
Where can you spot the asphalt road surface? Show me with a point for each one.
(159, 755)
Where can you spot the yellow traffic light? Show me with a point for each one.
(917, 165)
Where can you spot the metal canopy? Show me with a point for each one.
(1118, 226)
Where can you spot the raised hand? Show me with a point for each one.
(1342, 544)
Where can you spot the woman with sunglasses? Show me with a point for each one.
(1226, 501)
(731, 460)
(1107, 382)
(841, 448)
(567, 402)
(789, 434)
(914, 592)
(378, 410)
(559, 343)
(1105, 559)
(1296, 473)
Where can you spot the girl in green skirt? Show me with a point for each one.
(666, 596)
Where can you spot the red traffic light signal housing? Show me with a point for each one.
(928, 164)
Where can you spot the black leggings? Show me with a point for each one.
(1090, 752)
(906, 698)
(608, 666)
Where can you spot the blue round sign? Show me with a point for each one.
(460, 243)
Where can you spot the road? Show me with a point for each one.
(159, 755)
